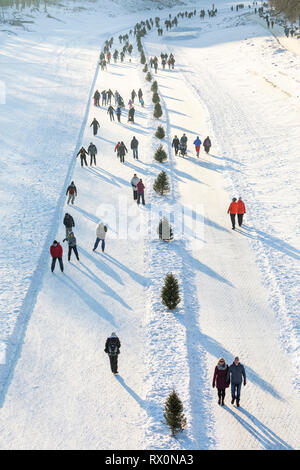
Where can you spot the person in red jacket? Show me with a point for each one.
(240, 211)
(219, 379)
(232, 210)
(140, 192)
(56, 252)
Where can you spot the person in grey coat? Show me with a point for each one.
(236, 373)
(92, 151)
(71, 239)
(134, 182)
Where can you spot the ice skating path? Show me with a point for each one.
(234, 316)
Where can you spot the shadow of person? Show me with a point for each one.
(264, 435)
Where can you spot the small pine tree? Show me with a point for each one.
(143, 58)
(154, 87)
(160, 155)
(173, 414)
(170, 292)
(161, 184)
(160, 133)
(155, 98)
(149, 77)
(164, 230)
(157, 111)
(145, 69)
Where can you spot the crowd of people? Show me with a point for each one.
(224, 375)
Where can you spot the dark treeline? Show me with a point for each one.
(289, 8)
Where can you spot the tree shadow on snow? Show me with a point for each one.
(101, 265)
(267, 438)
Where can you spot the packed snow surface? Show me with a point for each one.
(234, 81)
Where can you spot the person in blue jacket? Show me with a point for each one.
(236, 373)
(197, 144)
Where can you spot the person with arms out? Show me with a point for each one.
(71, 239)
(56, 252)
(95, 125)
(112, 348)
(232, 210)
(236, 373)
(219, 380)
(72, 191)
(83, 153)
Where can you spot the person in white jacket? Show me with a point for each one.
(134, 182)
(101, 234)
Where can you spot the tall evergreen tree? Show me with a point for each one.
(174, 416)
(170, 292)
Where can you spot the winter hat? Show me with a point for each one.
(55, 242)
(234, 199)
(236, 358)
(113, 335)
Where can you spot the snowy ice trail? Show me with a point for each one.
(236, 315)
(63, 389)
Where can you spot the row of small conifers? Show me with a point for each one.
(170, 296)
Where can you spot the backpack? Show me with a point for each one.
(105, 228)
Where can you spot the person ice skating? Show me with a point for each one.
(142, 102)
(117, 149)
(140, 94)
(71, 239)
(100, 234)
(219, 379)
(72, 192)
(109, 96)
(134, 146)
(118, 113)
(236, 373)
(92, 151)
(130, 104)
(232, 210)
(104, 96)
(175, 144)
(241, 210)
(133, 95)
(183, 145)
(197, 144)
(131, 115)
(112, 348)
(68, 223)
(155, 66)
(95, 125)
(140, 192)
(122, 150)
(82, 152)
(56, 252)
(111, 111)
(207, 144)
(97, 98)
(134, 183)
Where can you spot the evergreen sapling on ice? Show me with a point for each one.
(174, 416)
(161, 184)
(170, 292)
(160, 155)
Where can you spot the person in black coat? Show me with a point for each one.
(112, 348)
(95, 125)
(236, 373)
(175, 144)
(122, 150)
(134, 146)
(82, 152)
(131, 115)
(68, 223)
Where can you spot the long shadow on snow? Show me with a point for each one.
(227, 159)
(216, 349)
(89, 216)
(213, 166)
(16, 340)
(272, 241)
(98, 172)
(102, 266)
(267, 438)
(108, 290)
(144, 281)
(87, 298)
